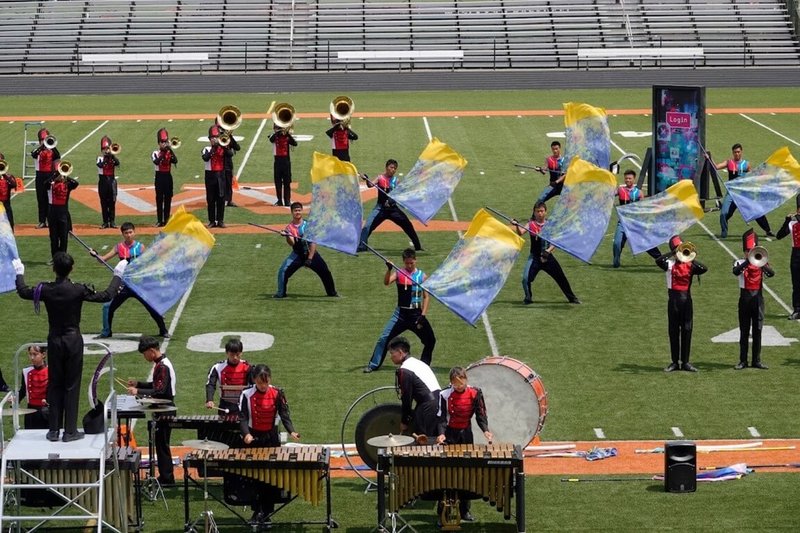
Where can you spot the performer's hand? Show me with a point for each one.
(389, 265)
(545, 256)
(248, 439)
(489, 436)
(363, 177)
(133, 391)
(93, 252)
(440, 439)
(420, 322)
(514, 222)
(541, 171)
(120, 268)
(209, 405)
(295, 435)
(307, 262)
(19, 268)
(403, 427)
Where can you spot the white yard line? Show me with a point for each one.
(779, 134)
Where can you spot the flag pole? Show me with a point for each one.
(510, 220)
(537, 169)
(90, 250)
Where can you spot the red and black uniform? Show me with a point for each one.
(282, 166)
(791, 226)
(680, 311)
(260, 413)
(63, 300)
(163, 159)
(161, 385)
(46, 165)
(540, 259)
(387, 209)
(214, 157)
(107, 184)
(7, 184)
(751, 306)
(340, 140)
(232, 379)
(34, 387)
(417, 386)
(58, 215)
(230, 151)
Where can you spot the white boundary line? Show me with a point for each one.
(484, 317)
(779, 134)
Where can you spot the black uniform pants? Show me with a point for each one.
(794, 268)
(552, 268)
(400, 321)
(59, 226)
(282, 169)
(680, 319)
(9, 212)
(343, 155)
(215, 195)
(65, 359)
(107, 190)
(228, 184)
(294, 262)
(751, 316)
(460, 436)
(122, 296)
(42, 179)
(163, 452)
(398, 217)
(164, 191)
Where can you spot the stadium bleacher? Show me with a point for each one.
(253, 35)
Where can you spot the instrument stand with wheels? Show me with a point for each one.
(383, 516)
(207, 516)
(151, 488)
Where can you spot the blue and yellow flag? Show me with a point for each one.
(654, 220)
(334, 219)
(767, 186)
(8, 252)
(431, 181)
(476, 268)
(588, 136)
(578, 222)
(168, 268)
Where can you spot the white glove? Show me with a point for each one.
(120, 268)
(19, 268)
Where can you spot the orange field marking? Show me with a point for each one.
(386, 114)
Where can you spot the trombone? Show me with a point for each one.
(175, 143)
(224, 140)
(229, 117)
(3, 167)
(50, 142)
(342, 108)
(686, 252)
(283, 116)
(64, 168)
(758, 256)
(115, 149)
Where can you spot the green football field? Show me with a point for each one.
(601, 362)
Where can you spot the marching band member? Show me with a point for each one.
(791, 226)
(541, 257)
(34, 387)
(127, 250)
(63, 300)
(230, 151)
(462, 403)
(751, 301)
(163, 159)
(60, 222)
(679, 306)
(214, 157)
(7, 184)
(304, 253)
(231, 374)
(107, 182)
(341, 135)
(737, 168)
(46, 164)
(261, 406)
(161, 383)
(412, 306)
(281, 140)
(387, 209)
(416, 384)
(556, 167)
(628, 194)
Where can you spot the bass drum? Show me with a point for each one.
(516, 400)
(379, 420)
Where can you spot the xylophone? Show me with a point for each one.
(119, 498)
(297, 470)
(492, 472)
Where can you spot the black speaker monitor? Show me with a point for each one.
(680, 466)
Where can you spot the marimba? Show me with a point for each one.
(492, 472)
(298, 470)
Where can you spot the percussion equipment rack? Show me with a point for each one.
(288, 466)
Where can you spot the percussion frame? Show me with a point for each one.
(207, 516)
(151, 486)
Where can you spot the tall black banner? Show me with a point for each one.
(679, 132)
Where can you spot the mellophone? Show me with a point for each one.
(121, 496)
(297, 470)
(492, 472)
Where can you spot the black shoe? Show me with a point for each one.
(672, 367)
(574, 300)
(740, 366)
(69, 437)
(104, 336)
(368, 369)
(467, 517)
(52, 436)
(112, 225)
(221, 225)
(689, 367)
(527, 301)
(41, 225)
(164, 335)
(420, 249)
(770, 234)
(278, 296)
(760, 365)
(278, 203)
(212, 225)
(103, 225)
(795, 316)
(231, 204)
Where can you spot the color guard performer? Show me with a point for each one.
(791, 226)
(214, 157)
(7, 184)
(737, 168)
(555, 165)
(281, 140)
(107, 162)
(163, 160)
(47, 157)
(680, 311)
(341, 135)
(751, 300)
(628, 194)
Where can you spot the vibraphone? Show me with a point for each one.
(298, 470)
(121, 496)
(492, 472)
(202, 422)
